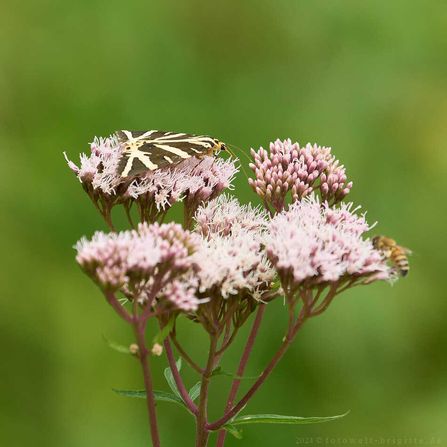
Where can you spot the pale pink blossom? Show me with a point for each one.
(231, 259)
(99, 168)
(142, 262)
(194, 179)
(181, 294)
(312, 243)
(288, 169)
(231, 264)
(104, 257)
(225, 215)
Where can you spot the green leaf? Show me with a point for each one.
(116, 346)
(220, 372)
(164, 332)
(170, 378)
(279, 419)
(194, 392)
(158, 395)
(237, 433)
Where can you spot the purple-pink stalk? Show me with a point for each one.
(241, 368)
(139, 323)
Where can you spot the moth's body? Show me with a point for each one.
(395, 253)
(149, 150)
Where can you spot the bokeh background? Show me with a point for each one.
(367, 78)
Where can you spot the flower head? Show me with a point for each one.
(225, 215)
(181, 294)
(316, 244)
(99, 169)
(193, 180)
(141, 263)
(104, 257)
(231, 259)
(298, 170)
(232, 264)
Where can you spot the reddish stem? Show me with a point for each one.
(178, 379)
(267, 371)
(140, 327)
(202, 422)
(240, 371)
(185, 355)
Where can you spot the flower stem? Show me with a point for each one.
(202, 431)
(291, 332)
(178, 380)
(140, 329)
(241, 368)
(127, 207)
(185, 355)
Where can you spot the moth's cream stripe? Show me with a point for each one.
(168, 159)
(127, 133)
(144, 158)
(173, 150)
(199, 142)
(144, 135)
(170, 135)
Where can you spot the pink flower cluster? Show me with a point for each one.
(229, 265)
(231, 257)
(298, 170)
(98, 170)
(312, 243)
(234, 250)
(143, 262)
(225, 215)
(194, 179)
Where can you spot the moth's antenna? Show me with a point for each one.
(241, 151)
(231, 152)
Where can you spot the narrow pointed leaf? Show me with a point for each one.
(194, 392)
(170, 378)
(158, 395)
(116, 346)
(237, 433)
(164, 332)
(220, 372)
(280, 419)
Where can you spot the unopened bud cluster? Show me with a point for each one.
(289, 168)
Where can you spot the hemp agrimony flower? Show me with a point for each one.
(298, 170)
(226, 215)
(313, 244)
(225, 261)
(142, 263)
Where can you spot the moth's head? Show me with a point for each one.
(219, 146)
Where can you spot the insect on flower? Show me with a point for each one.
(149, 150)
(395, 253)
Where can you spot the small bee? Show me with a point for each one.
(395, 253)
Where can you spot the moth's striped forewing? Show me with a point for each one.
(154, 149)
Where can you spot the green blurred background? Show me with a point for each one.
(367, 78)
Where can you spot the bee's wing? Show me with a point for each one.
(406, 250)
